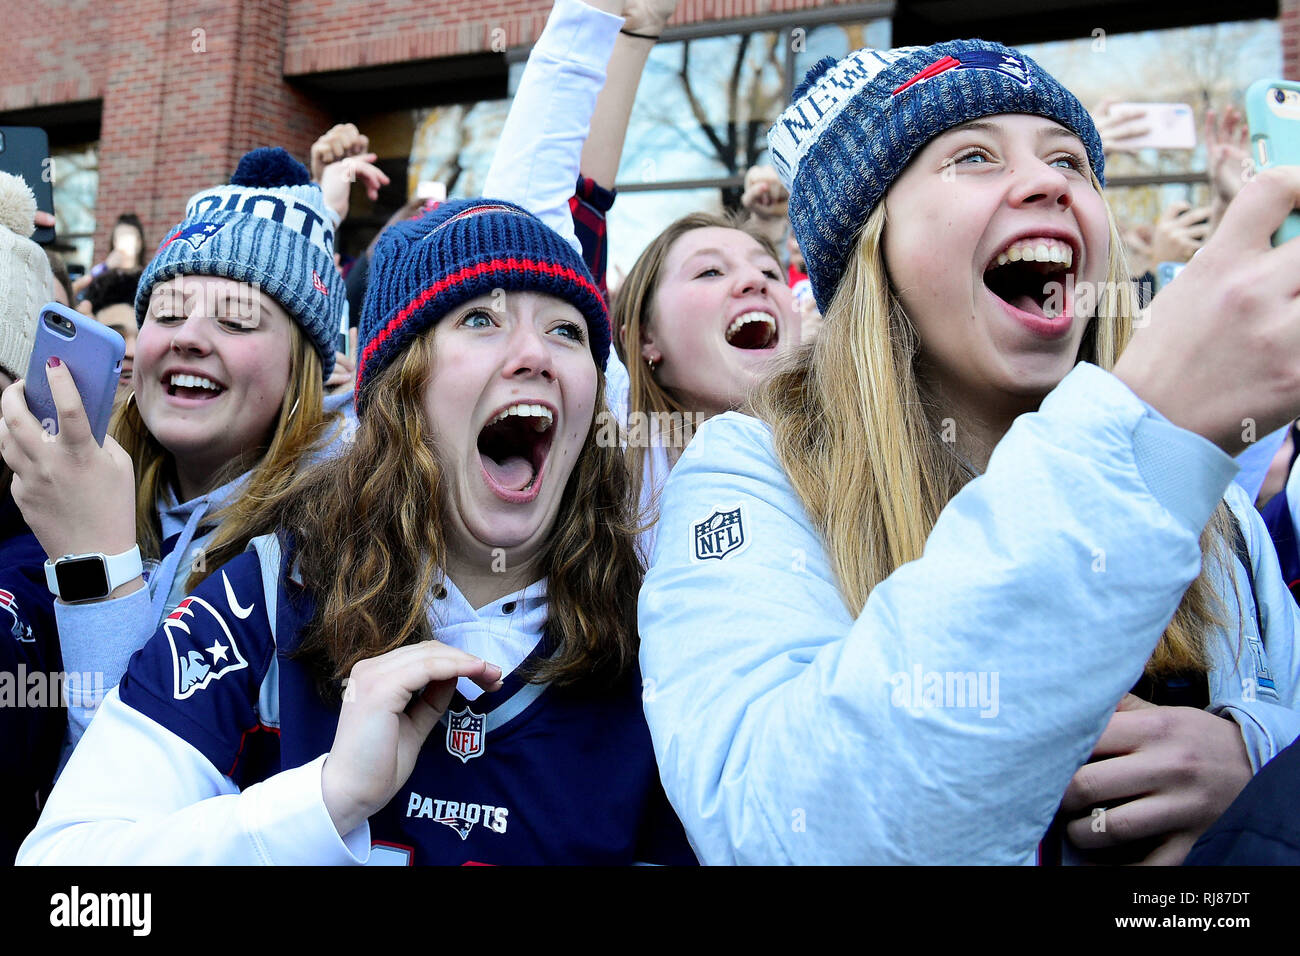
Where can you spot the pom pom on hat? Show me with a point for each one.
(269, 167)
(26, 282)
(17, 205)
(812, 76)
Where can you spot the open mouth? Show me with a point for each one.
(752, 330)
(513, 448)
(179, 385)
(1030, 275)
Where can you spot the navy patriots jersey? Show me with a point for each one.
(526, 775)
(32, 717)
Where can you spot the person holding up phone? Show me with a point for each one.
(237, 315)
(891, 617)
(29, 646)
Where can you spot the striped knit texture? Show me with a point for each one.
(423, 268)
(855, 160)
(284, 259)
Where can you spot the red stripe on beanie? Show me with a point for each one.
(456, 278)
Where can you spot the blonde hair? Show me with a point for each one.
(301, 426)
(854, 432)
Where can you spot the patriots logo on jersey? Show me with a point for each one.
(465, 736)
(196, 234)
(1007, 64)
(20, 629)
(720, 534)
(459, 824)
(194, 668)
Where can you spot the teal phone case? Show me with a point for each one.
(1274, 139)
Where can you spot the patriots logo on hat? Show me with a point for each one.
(196, 234)
(475, 211)
(317, 284)
(1008, 64)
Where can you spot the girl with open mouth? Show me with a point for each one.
(237, 313)
(434, 660)
(701, 318)
(891, 618)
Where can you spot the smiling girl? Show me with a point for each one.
(700, 318)
(951, 541)
(474, 537)
(237, 312)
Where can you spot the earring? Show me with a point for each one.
(651, 364)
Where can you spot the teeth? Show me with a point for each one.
(1037, 250)
(193, 381)
(541, 413)
(746, 318)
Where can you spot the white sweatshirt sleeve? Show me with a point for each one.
(942, 722)
(97, 641)
(538, 156)
(1257, 682)
(136, 793)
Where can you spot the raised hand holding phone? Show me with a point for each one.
(1222, 344)
(77, 496)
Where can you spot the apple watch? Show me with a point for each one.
(76, 578)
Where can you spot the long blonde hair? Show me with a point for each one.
(301, 427)
(854, 430)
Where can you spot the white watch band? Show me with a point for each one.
(118, 568)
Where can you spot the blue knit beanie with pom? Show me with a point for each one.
(425, 267)
(269, 227)
(853, 125)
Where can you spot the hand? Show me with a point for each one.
(116, 259)
(1222, 344)
(390, 705)
(1118, 128)
(647, 16)
(1137, 244)
(337, 179)
(344, 375)
(765, 196)
(75, 496)
(1160, 772)
(43, 220)
(1179, 233)
(339, 142)
(1228, 163)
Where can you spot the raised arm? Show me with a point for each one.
(537, 158)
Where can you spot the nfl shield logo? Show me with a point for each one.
(464, 734)
(720, 534)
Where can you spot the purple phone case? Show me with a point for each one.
(93, 355)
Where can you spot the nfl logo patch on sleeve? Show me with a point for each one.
(723, 532)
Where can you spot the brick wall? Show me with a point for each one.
(1289, 15)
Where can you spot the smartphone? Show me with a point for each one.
(1273, 115)
(25, 152)
(93, 354)
(1172, 125)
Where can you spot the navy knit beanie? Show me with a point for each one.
(853, 125)
(425, 267)
(270, 228)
